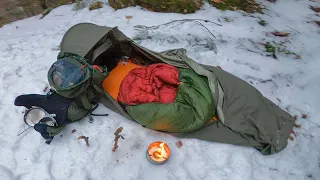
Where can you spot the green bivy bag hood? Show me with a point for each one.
(245, 116)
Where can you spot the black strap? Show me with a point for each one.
(91, 114)
(96, 106)
(99, 114)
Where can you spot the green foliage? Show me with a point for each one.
(249, 6)
(279, 48)
(176, 6)
(46, 12)
(79, 5)
(51, 6)
(119, 4)
(270, 48)
(262, 23)
(96, 5)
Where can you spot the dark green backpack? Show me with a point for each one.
(71, 76)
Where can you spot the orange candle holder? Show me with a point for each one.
(158, 153)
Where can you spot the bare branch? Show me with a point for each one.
(182, 20)
(116, 138)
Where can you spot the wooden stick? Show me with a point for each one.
(181, 20)
(85, 138)
(116, 138)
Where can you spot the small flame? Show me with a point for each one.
(160, 151)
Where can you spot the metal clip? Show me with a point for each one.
(124, 58)
(90, 119)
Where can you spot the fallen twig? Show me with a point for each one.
(86, 139)
(205, 27)
(46, 12)
(315, 9)
(294, 30)
(254, 51)
(317, 22)
(262, 80)
(265, 81)
(267, 55)
(24, 130)
(281, 34)
(45, 88)
(182, 20)
(116, 138)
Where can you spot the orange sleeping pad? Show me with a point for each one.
(112, 83)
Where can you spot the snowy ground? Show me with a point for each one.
(28, 48)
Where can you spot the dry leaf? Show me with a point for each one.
(118, 131)
(281, 34)
(317, 22)
(297, 125)
(295, 117)
(315, 9)
(298, 57)
(179, 144)
(96, 5)
(217, 1)
(73, 131)
(86, 139)
(116, 138)
(45, 89)
(129, 17)
(304, 116)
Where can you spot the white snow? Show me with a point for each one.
(28, 48)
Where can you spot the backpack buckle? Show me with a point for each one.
(125, 58)
(97, 67)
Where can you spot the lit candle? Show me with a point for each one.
(158, 152)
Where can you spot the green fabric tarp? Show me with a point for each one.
(246, 117)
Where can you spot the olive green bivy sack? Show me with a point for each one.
(246, 117)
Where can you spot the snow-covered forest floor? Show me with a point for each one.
(289, 77)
